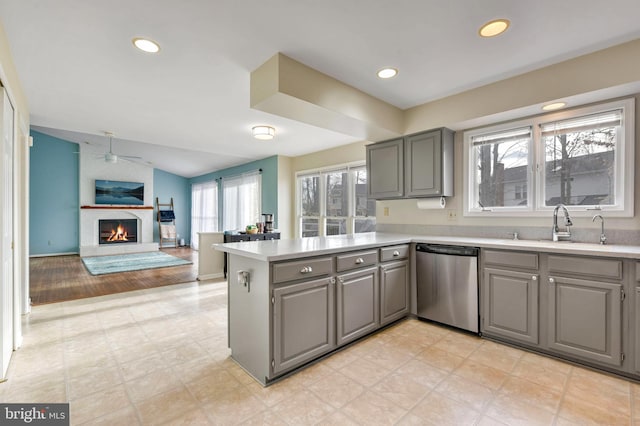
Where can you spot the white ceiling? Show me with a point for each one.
(186, 109)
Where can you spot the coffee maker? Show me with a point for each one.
(268, 222)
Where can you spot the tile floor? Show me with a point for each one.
(159, 356)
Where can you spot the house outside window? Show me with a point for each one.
(582, 158)
(334, 202)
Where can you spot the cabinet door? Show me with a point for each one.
(357, 304)
(510, 305)
(385, 176)
(423, 164)
(394, 291)
(303, 323)
(585, 319)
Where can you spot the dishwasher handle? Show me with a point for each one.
(450, 250)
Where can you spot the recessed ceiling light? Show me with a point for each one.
(554, 106)
(493, 28)
(146, 45)
(387, 72)
(264, 133)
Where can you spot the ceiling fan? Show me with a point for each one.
(111, 157)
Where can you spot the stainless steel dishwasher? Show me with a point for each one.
(447, 278)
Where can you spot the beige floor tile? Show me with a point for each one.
(275, 393)
(549, 364)
(514, 411)
(264, 418)
(437, 409)
(310, 374)
(440, 358)
(371, 408)
(143, 366)
(208, 388)
(365, 372)
(305, 408)
(337, 389)
(99, 404)
(154, 383)
(340, 359)
(490, 421)
(579, 411)
(337, 419)
(481, 374)
(126, 416)
(497, 356)
(600, 389)
(541, 373)
(235, 370)
(389, 357)
(167, 406)
(190, 418)
(465, 391)
(97, 380)
(540, 396)
(401, 389)
(459, 344)
(422, 373)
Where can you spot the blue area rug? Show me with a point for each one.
(131, 262)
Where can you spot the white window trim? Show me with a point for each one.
(322, 219)
(625, 155)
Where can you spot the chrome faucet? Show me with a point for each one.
(603, 238)
(556, 234)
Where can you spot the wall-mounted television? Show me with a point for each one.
(114, 192)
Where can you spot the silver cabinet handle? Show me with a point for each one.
(396, 253)
(534, 278)
(306, 270)
(551, 281)
(359, 261)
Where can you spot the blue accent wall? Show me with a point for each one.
(269, 168)
(165, 186)
(54, 210)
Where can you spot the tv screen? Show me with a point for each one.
(119, 193)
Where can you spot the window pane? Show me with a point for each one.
(337, 194)
(241, 201)
(365, 224)
(580, 166)
(310, 195)
(336, 226)
(501, 169)
(309, 227)
(364, 206)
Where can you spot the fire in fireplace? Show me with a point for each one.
(118, 231)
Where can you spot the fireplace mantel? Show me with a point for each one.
(117, 207)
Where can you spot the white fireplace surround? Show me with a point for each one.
(89, 224)
(92, 167)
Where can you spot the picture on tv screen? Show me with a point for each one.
(119, 193)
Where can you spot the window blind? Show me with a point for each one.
(581, 124)
(512, 135)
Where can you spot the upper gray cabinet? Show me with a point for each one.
(418, 165)
(385, 169)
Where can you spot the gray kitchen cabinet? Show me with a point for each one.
(303, 323)
(394, 291)
(418, 165)
(357, 304)
(428, 164)
(636, 328)
(385, 165)
(585, 319)
(510, 304)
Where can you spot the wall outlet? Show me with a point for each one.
(385, 211)
(452, 215)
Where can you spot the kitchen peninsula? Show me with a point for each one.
(293, 301)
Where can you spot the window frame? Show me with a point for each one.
(624, 165)
(321, 173)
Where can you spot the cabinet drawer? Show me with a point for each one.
(359, 259)
(587, 266)
(307, 268)
(511, 258)
(394, 253)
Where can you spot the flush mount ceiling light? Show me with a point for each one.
(387, 72)
(146, 45)
(264, 133)
(494, 28)
(554, 106)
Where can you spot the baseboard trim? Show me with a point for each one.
(54, 254)
(210, 276)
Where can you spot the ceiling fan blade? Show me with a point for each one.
(134, 157)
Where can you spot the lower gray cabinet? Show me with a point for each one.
(394, 291)
(303, 324)
(357, 304)
(510, 305)
(585, 319)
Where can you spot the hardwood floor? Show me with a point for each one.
(61, 278)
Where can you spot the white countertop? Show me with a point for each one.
(275, 250)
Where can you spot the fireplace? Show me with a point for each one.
(117, 231)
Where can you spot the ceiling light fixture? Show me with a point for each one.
(264, 133)
(554, 106)
(494, 28)
(387, 72)
(146, 45)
